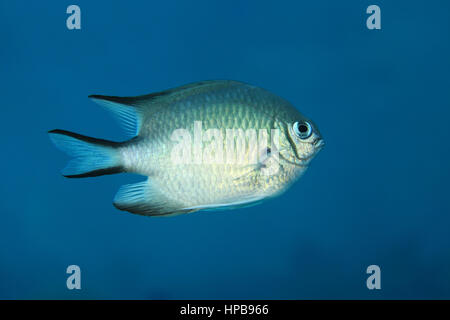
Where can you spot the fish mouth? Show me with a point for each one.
(319, 144)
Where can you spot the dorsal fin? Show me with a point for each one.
(130, 110)
(190, 89)
(128, 115)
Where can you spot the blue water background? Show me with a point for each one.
(378, 193)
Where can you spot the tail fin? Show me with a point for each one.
(92, 157)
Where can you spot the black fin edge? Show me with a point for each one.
(85, 138)
(96, 173)
(130, 101)
(149, 211)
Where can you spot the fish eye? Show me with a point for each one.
(302, 129)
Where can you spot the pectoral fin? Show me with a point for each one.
(266, 162)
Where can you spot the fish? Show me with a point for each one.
(206, 146)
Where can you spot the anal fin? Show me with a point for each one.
(144, 198)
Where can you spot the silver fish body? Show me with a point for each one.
(236, 145)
